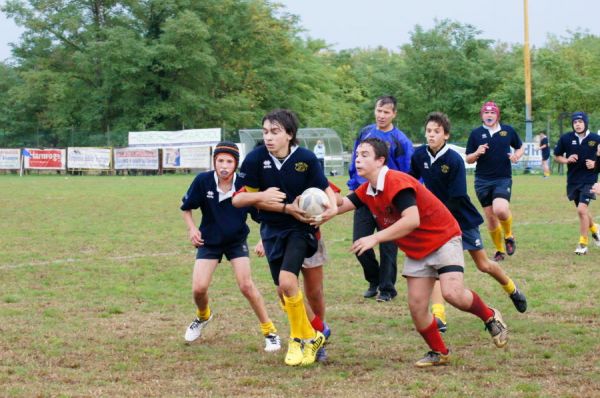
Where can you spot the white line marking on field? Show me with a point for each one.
(79, 260)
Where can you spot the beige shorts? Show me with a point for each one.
(451, 253)
(318, 259)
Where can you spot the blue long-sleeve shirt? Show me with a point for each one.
(401, 150)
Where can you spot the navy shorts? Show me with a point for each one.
(295, 247)
(488, 190)
(216, 252)
(471, 239)
(580, 193)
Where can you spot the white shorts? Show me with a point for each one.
(450, 254)
(318, 259)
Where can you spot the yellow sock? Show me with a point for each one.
(507, 226)
(496, 236)
(203, 314)
(594, 228)
(439, 311)
(509, 287)
(300, 326)
(282, 306)
(547, 174)
(583, 240)
(267, 328)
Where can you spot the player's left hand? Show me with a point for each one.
(595, 188)
(328, 214)
(295, 211)
(259, 249)
(363, 244)
(590, 164)
(513, 157)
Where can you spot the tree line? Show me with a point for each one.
(88, 72)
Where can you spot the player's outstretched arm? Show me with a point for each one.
(270, 199)
(346, 206)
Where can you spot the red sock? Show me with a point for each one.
(433, 338)
(480, 309)
(317, 324)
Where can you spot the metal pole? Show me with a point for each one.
(527, 68)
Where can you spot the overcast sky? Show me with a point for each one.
(349, 24)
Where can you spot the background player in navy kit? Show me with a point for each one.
(545, 148)
(489, 145)
(222, 231)
(380, 275)
(274, 176)
(577, 149)
(413, 218)
(443, 172)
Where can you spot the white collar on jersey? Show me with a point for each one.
(580, 138)
(279, 163)
(228, 194)
(438, 155)
(380, 182)
(493, 131)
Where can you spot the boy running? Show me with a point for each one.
(423, 228)
(223, 231)
(443, 172)
(577, 149)
(274, 176)
(489, 145)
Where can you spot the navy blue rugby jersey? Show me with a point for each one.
(301, 170)
(221, 222)
(494, 164)
(445, 177)
(568, 144)
(546, 150)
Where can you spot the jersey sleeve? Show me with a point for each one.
(515, 141)
(457, 178)
(415, 171)
(404, 199)
(193, 197)
(352, 182)
(471, 144)
(353, 197)
(559, 149)
(249, 171)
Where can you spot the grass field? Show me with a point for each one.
(95, 277)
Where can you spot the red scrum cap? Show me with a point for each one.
(490, 107)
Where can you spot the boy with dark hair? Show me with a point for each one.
(577, 149)
(423, 228)
(222, 231)
(274, 176)
(443, 172)
(380, 275)
(489, 145)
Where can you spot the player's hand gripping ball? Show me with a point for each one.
(313, 201)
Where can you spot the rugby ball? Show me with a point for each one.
(313, 201)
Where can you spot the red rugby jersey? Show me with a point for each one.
(437, 226)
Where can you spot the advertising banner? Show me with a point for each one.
(45, 159)
(136, 158)
(10, 158)
(187, 158)
(162, 139)
(88, 158)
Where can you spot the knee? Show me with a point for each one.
(451, 295)
(247, 288)
(484, 266)
(200, 291)
(581, 212)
